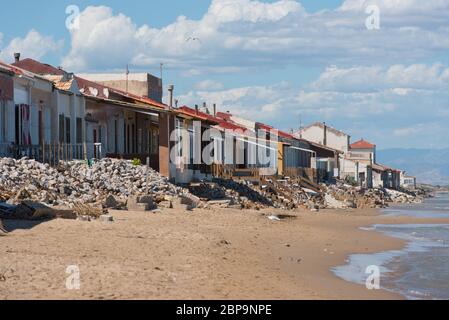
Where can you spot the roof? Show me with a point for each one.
(21, 72)
(280, 133)
(224, 115)
(87, 88)
(320, 146)
(37, 67)
(197, 114)
(362, 144)
(381, 167)
(94, 89)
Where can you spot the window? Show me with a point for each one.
(61, 128)
(79, 130)
(2, 121)
(67, 130)
(41, 126)
(115, 136)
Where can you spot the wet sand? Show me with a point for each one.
(204, 254)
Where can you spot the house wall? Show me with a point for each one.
(333, 140)
(6, 107)
(354, 169)
(378, 179)
(141, 84)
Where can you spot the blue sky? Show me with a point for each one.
(275, 61)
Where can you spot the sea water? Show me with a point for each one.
(421, 269)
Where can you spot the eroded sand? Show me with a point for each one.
(221, 254)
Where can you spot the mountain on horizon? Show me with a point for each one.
(428, 165)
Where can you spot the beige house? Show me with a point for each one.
(325, 135)
(40, 113)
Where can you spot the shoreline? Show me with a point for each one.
(204, 254)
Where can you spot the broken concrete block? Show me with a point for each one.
(106, 218)
(141, 203)
(83, 218)
(65, 213)
(111, 202)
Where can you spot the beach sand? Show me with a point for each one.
(220, 254)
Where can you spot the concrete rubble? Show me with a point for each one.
(75, 186)
(296, 193)
(32, 190)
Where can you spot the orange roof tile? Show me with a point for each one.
(362, 144)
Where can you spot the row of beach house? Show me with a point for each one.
(49, 114)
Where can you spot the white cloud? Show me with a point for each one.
(235, 34)
(402, 107)
(211, 85)
(410, 131)
(400, 79)
(33, 45)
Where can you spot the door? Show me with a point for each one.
(95, 139)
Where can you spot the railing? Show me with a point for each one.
(52, 153)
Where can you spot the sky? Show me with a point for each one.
(377, 69)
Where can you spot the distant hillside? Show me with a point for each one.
(428, 165)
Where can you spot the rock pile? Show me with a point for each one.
(74, 184)
(348, 196)
(229, 193)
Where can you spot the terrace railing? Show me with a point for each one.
(52, 153)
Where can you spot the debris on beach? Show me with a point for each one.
(87, 190)
(33, 190)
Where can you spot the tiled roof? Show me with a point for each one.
(362, 144)
(37, 67)
(198, 114)
(86, 87)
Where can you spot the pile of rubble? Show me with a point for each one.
(229, 194)
(75, 185)
(341, 196)
(27, 187)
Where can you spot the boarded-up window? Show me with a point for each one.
(61, 128)
(67, 130)
(79, 130)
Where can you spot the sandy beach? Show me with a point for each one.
(203, 254)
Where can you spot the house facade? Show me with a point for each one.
(39, 114)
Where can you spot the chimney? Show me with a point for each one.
(215, 109)
(196, 109)
(325, 134)
(171, 88)
(17, 56)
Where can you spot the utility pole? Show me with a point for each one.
(127, 77)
